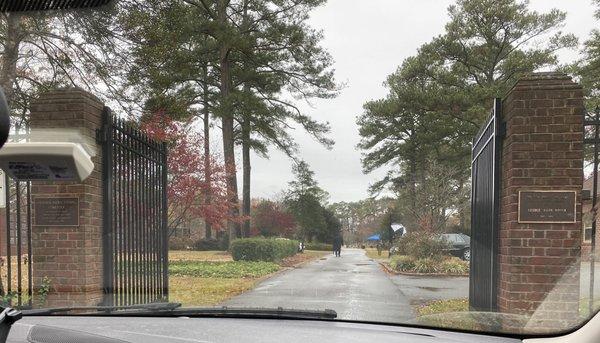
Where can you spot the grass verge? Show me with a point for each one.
(200, 291)
(443, 306)
(184, 255)
(372, 253)
(207, 278)
(225, 269)
(584, 307)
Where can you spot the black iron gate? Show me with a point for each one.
(135, 240)
(591, 146)
(485, 178)
(15, 264)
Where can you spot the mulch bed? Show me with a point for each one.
(386, 267)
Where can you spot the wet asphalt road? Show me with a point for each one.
(353, 285)
(422, 289)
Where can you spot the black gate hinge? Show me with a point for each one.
(101, 135)
(502, 129)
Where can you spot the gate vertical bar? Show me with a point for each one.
(113, 212)
(8, 245)
(594, 200)
(123, 167)
(137, 218)
(18, 241)
(147, 187)
(29, 241)
(164, 228)
(498, 134)
(107, 199)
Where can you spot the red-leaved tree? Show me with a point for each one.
(187, 181)
(270, 219)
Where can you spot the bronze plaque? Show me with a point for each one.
(56, 211)
(547, 206)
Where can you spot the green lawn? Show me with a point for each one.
(222, 269)
(207, 278)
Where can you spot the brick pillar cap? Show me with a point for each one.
(67, 90)
(548, 75)
(545, 80)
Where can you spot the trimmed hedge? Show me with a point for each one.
(318, 246)
(262, 249)
(210, 244)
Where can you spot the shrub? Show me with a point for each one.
(454, 265)
(426, 266)
(422, 245)
(262, 249)
(180, 243)
(318, 246)
(402, 263)
(410, 264)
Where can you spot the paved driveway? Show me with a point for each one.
(421, 289)
(353, 285)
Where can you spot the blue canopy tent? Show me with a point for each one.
(376, 237)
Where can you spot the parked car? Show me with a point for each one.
(459, 245)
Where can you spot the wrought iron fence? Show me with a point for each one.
(16, 287)
(134, 175)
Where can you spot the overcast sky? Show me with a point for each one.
(368, 41)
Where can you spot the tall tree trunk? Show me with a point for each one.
(8, 71)
(227, 125)
(246, 169)
(207, 165)
(246, 174)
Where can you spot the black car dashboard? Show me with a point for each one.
(71, 329)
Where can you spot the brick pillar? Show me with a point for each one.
(70, 256)
(542, 150)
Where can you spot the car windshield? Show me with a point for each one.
(306, 155)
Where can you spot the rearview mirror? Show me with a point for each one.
(46, 5)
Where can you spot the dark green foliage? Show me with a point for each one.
(439, 98)
(588, 69)
(333, 227)
(385, 226)
(209, 244)
(304, 201)
(262, 249)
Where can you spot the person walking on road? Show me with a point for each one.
(337, 245)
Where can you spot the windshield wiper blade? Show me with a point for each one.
(150, 307)
(174, 310)
(254, 312)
